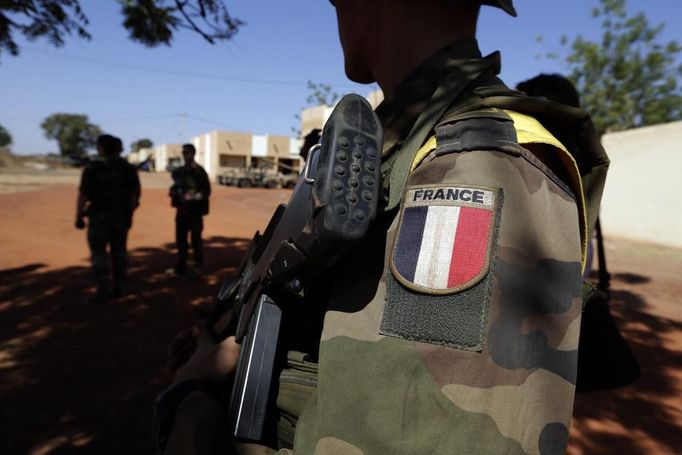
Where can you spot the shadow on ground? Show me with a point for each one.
(79, 377)
(619, 421)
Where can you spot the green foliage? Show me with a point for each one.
(73, 132)
(153, 22)
(141, 144)
(51, 19)
(5, 137)
(150, 22)
(629, 78)
(321, 94)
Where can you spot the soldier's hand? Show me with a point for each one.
(181, 349)
(80, 223)
(194, 355)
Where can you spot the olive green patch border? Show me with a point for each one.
(456, 320)
(494, 208)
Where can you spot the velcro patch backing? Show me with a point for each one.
(438, 290)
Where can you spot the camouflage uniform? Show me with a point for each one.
(420, 356)
(112, 187)
(190, 195)
(483, 362)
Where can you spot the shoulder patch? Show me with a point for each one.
(445, 238)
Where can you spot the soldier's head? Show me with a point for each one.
(188, 152)
(379, 35)
(554, 87)
(108, 145)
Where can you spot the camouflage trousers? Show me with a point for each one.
(100, 234)
(191, 224)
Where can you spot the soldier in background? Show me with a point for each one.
(553, 87)
(310, 139)
(453, 326)
(605, 360)
(109, 194)
(189, 195)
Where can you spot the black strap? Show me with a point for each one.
(397, 167)
(604, 275)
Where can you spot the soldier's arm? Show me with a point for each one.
(82, 199)
(490, 293)
(473, 329)
(137, 189)
(190, 416)
(192, 409)
(207, 185)
(199, 427)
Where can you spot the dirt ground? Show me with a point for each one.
(80, 378)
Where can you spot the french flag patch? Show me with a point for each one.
(445, 238)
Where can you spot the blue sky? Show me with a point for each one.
(256, 82)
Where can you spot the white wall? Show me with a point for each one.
(642, 195)
(259, 144)
(295, 146)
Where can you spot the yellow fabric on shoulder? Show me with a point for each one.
(423, 152)
(530, 131)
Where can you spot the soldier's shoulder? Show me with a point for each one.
(94, 164)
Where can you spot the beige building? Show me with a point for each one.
(221, 151)
(315, 117)
(163, 156)
(641, 198)
(141, 155)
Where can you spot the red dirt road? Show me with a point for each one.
(80, 378)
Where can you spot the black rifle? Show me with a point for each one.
(332, 207)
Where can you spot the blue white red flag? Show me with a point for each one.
(445, 238)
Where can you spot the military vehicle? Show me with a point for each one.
(260, 177)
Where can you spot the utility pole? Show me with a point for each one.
(183, 119)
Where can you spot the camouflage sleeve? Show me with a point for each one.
(205, 184)
(137, 188)
(85, 186)
(468, 343)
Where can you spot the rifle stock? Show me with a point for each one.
(325, 216)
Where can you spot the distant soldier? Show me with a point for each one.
(189, 195)
(310, 140)
(555, 87)
(605, 360)
(109, 194)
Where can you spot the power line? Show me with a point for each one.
(148, 69)
(143, 118)
(213, 122)
(138, 119)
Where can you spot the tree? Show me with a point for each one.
(321, 94)
(629, 78)
(150, 22)
(73, 132)
(5, 137)
(141, 144)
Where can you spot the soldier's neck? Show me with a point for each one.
(399, 50)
